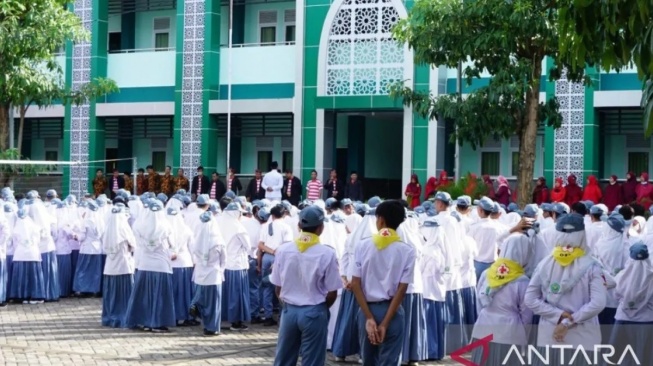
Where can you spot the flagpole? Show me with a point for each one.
(229, 75)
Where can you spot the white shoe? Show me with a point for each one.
(360, 361)
(340, 359)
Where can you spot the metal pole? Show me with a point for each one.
(134, 175)
(229, 74)
(459, 90)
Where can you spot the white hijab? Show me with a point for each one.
(181, 233)
(118, 232)
(207, 238)
(153, 228)
(516, 248)
(26, 232)
(609, 250)
(352, 221)
(96, 221)
(41, 216)
(230, 225)
(634, 285)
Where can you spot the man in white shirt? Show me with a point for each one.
(273, 183)
(307, 277)
(383, 269)
(487, 233)
(273, 234)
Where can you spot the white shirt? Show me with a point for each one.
(273, 179)
(180, 249)
(91, 240)
(593, 233)
(281, 233)
(212, 273)
(305, 278)
(120, 263)
(26, 241)
(155, 257)
(237, 251)
(381, 271)
(433, 263)
(253, 227)
(486, 232)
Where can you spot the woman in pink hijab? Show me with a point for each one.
(503, 191)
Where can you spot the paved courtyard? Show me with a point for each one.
(69, 332)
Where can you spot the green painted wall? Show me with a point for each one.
(142, 150)
(342, 135)
(383, 148)
(470, 159)
(115, 23)
(145, 27)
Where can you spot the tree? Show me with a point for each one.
(30, 33)
(611, 34)
(509, 40)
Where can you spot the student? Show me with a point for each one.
(254, 229)
(88, 274)
(6, 254)
(307, 301)
(500, 297)
(46, 222)
(27, 282)
(62, 236)
(209, 257)
(634, 317)
(182, 266)
(568, 291)
(383, 269)
(118, 281)
(594, 230)
(275, 233)
(432, 269)
(151, 304)
(235, 292)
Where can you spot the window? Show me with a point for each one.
(289, 21)
(114, 41)
(515, 163)
(267, 22)
(264, 159)
(51, 156)
(638, 161)
(162, 34)
(159, 160)
(287, 160)
(491, 162)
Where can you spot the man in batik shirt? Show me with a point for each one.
(168, 182)
(99, 183)
(181, 182)
(153, 180)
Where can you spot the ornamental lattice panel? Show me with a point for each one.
(362, 56)
(569, 143)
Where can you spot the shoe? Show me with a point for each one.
(25, 302)
(35, 302)
(146, 329)
(237, 327)
(257, 320)
(208, 333)
(194, 311)
(270, 323)
(360, 361)
(340, 359)
(3, 304)
(413, 363)
(190, 323)
(159, 330)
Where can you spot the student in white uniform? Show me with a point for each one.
(464, 209)
(209, 257)
(500, 295)
(634, 315)
(182, 266)
(9, 211)
(235, 291)
(151, 304)
(42, 217)
(254, 228)
(549, 234)
(434, 287)
(62, 234)
(486, 233)
(546, 221)
(27, 282)
(415, 346)
(383, 269)
(88, 273)
(595, 228)
(306, 277)
(568, 291)
(273, 235)
(5, 238)
(118, 281)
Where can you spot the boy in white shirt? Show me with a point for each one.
(306, 276)
(384, 267)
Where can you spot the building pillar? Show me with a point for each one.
(421, 129)
(128, 31)
(197, 82)
(83, 131)
(356, 145)
(591, 137)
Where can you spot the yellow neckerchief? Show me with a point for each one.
(384, 238)
(503, 271)
(567, 255)
(306, 240)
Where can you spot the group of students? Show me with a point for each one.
(375, 280)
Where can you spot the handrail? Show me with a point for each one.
(262, 44)
(139, 50)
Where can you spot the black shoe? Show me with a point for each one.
(270, 323)
(190, 323)
(3, 304)
(159, 330)
(238, 326)
(194, 311)
(208, 333)
(257, 320)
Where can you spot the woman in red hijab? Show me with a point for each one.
(503, 191)
(541, 192)
(431, 188)
(490, 186)
(644, 191)
(443, 181)
(413, 192)
(574, 192)
(592, 191)
(614, 194)
(629, 188)
(559, 192)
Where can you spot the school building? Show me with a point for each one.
(305, 83)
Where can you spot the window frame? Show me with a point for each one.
(637, 150)
(55, 152)
(491, 149)
(268, 25)
(155, 32)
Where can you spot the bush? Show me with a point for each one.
(469, 185)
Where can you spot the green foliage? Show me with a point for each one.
(11, 171)
(468, 185)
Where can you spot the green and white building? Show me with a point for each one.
(304, 83)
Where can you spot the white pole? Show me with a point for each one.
(11, 128)
(459, 89)
(134, 175)
(229, 74)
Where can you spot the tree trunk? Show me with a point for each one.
(528, 138)
(21, 125)
(4, 126)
